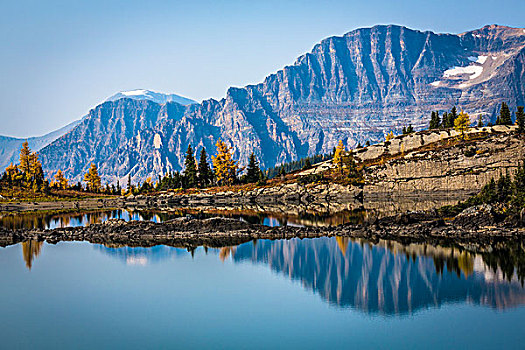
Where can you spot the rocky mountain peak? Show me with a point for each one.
(356, 88)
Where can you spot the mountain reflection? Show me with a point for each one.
(139, 255)
(388, 277)
(384, 277)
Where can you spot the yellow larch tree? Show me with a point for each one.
(60, 180)
(93, 179)
(462, 123)
(338, 160)
(223, 164)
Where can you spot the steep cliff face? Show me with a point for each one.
(355, 88)
(439, 169)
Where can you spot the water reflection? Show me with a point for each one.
(141, 256)
(386, 277)
(30, 250)
(390, 278)
(76, 219)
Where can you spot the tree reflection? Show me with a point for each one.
(30, 250)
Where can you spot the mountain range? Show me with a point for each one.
(10, 146)
(356, 88)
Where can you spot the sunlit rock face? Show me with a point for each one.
(389, 278)
(354, 88)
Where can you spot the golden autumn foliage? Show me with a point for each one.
(60, 181)
(389, 136)
(338, 160)
(93, 179)
(462, 123)
(223, 164)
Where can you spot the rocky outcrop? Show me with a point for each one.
(288, 198)
(218, 232)
(439, 169)
(354, 88)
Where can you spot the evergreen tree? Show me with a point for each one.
(130, 185)
(480, 121)
(504, 117)
(205, 175)
(410, 129)
(190, 169)
(118, 189)
(224, 166)
(452, 117)
(404, 131)
(253, 171)
(307, 164)
(434, 120)
(444, 121)
(92, 179)
(520, 120)
(367, 143)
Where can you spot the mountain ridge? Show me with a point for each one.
(355, 87)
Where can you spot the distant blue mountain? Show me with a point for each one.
(10, 146)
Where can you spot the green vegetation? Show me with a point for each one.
(301, 164)
(504, 117)
(507, 195)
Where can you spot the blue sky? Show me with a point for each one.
(60, 58)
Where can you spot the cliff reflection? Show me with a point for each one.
(388, 277)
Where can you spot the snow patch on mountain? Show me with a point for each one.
(157, 97)
(473, 71)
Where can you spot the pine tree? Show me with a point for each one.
(118, 189)
(253, 171)
(60, 180)
(434, 120)
(480, 121)
(404, 131)
(307, 164)
(93, 179)
(504, 117)
(190, 169)
(130, 185)
(452, 117)
(224, 166)
(520, 119)
(205, 175)
(444, 121)
(462, 123)
(410, 129)
(367, 143)
(338, 160)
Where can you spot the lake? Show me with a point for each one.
(310, 293)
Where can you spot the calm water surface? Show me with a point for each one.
(310, 293)
(75, 219)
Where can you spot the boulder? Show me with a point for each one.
(476, 216)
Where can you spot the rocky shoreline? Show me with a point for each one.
(186, 232)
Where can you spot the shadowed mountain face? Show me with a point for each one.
(356, 88)
(390, 278)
